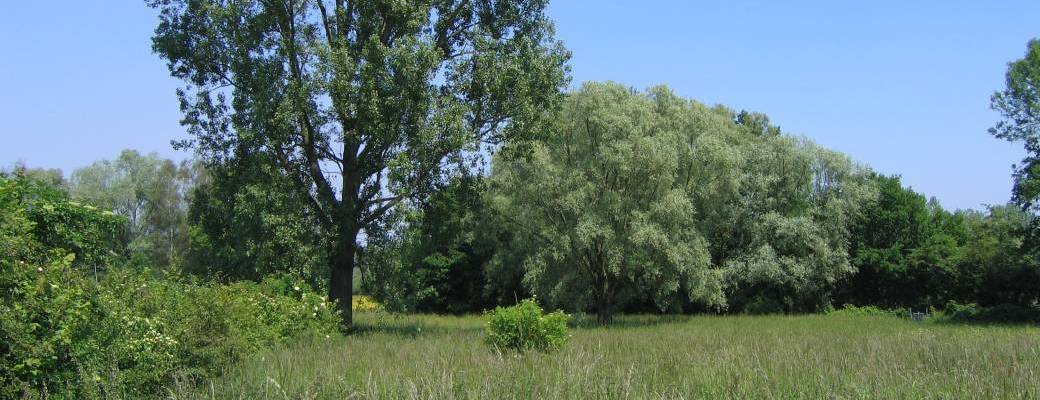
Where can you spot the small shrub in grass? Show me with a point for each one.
(526, 327)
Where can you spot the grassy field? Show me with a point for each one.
(651, 357)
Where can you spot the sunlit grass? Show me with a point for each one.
(649, 357)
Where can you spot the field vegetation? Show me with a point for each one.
(410, 199)
(644, 356)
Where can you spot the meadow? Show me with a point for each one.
(675, 357)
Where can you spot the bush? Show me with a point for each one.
(525, 326)
(999, 314)
(132, 333)
(70, 332)
(851, 310)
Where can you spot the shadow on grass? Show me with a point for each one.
(412, 325)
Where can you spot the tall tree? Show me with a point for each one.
(652, 198)
(361, 102)
(601, 207)
(151, 192)
(900, 249)
(1019, 107)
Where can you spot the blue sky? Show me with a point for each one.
(901, 86)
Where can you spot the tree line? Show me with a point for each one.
(634, 201)
(432, 147)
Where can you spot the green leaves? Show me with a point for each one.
(359, 101)
(649, 198)
(526, 327)
(1019, 107)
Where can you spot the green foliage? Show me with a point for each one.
(912, 253)
(1019, 107)
(905, 250)
(133, 333)
(94, 236)
(360, 104)
(67, 332)
(998, 264)
(526, 327)
(436, 261)
(867, 311)
(151, 193)
(999, 314)
(247, 221)
(650, 198)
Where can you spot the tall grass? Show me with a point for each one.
(647, 357)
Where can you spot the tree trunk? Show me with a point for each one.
(602, 310)
(602, 299)
(341, 281)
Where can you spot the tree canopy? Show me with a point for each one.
(1019, 107)
(360, 102)
(151, 192)
(635, 195)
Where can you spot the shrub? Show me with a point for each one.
(852, 310)
(525, 326)
(999, 314)
(132, 333)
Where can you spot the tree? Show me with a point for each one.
(439, 257)
(997, 268)
(245, 223)
(151, 192)
(648, 198)
(782, 230)
(1019, 107)
(888, 230)
(600, 205)
(360, 102)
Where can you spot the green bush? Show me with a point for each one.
(525, 326)
(999, 314)
(132, 333)
(851, 310)
(70, 332)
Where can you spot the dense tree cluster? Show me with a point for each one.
(151, 193)
(650, 197)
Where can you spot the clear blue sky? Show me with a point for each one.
(901, 86)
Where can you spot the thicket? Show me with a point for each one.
(76, 323)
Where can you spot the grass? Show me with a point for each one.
(816, 356)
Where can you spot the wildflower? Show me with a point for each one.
(296, 288)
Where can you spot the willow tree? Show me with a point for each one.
(600, 207)
(650, 197)
(362, 103)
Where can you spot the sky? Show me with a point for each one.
(900, 86)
